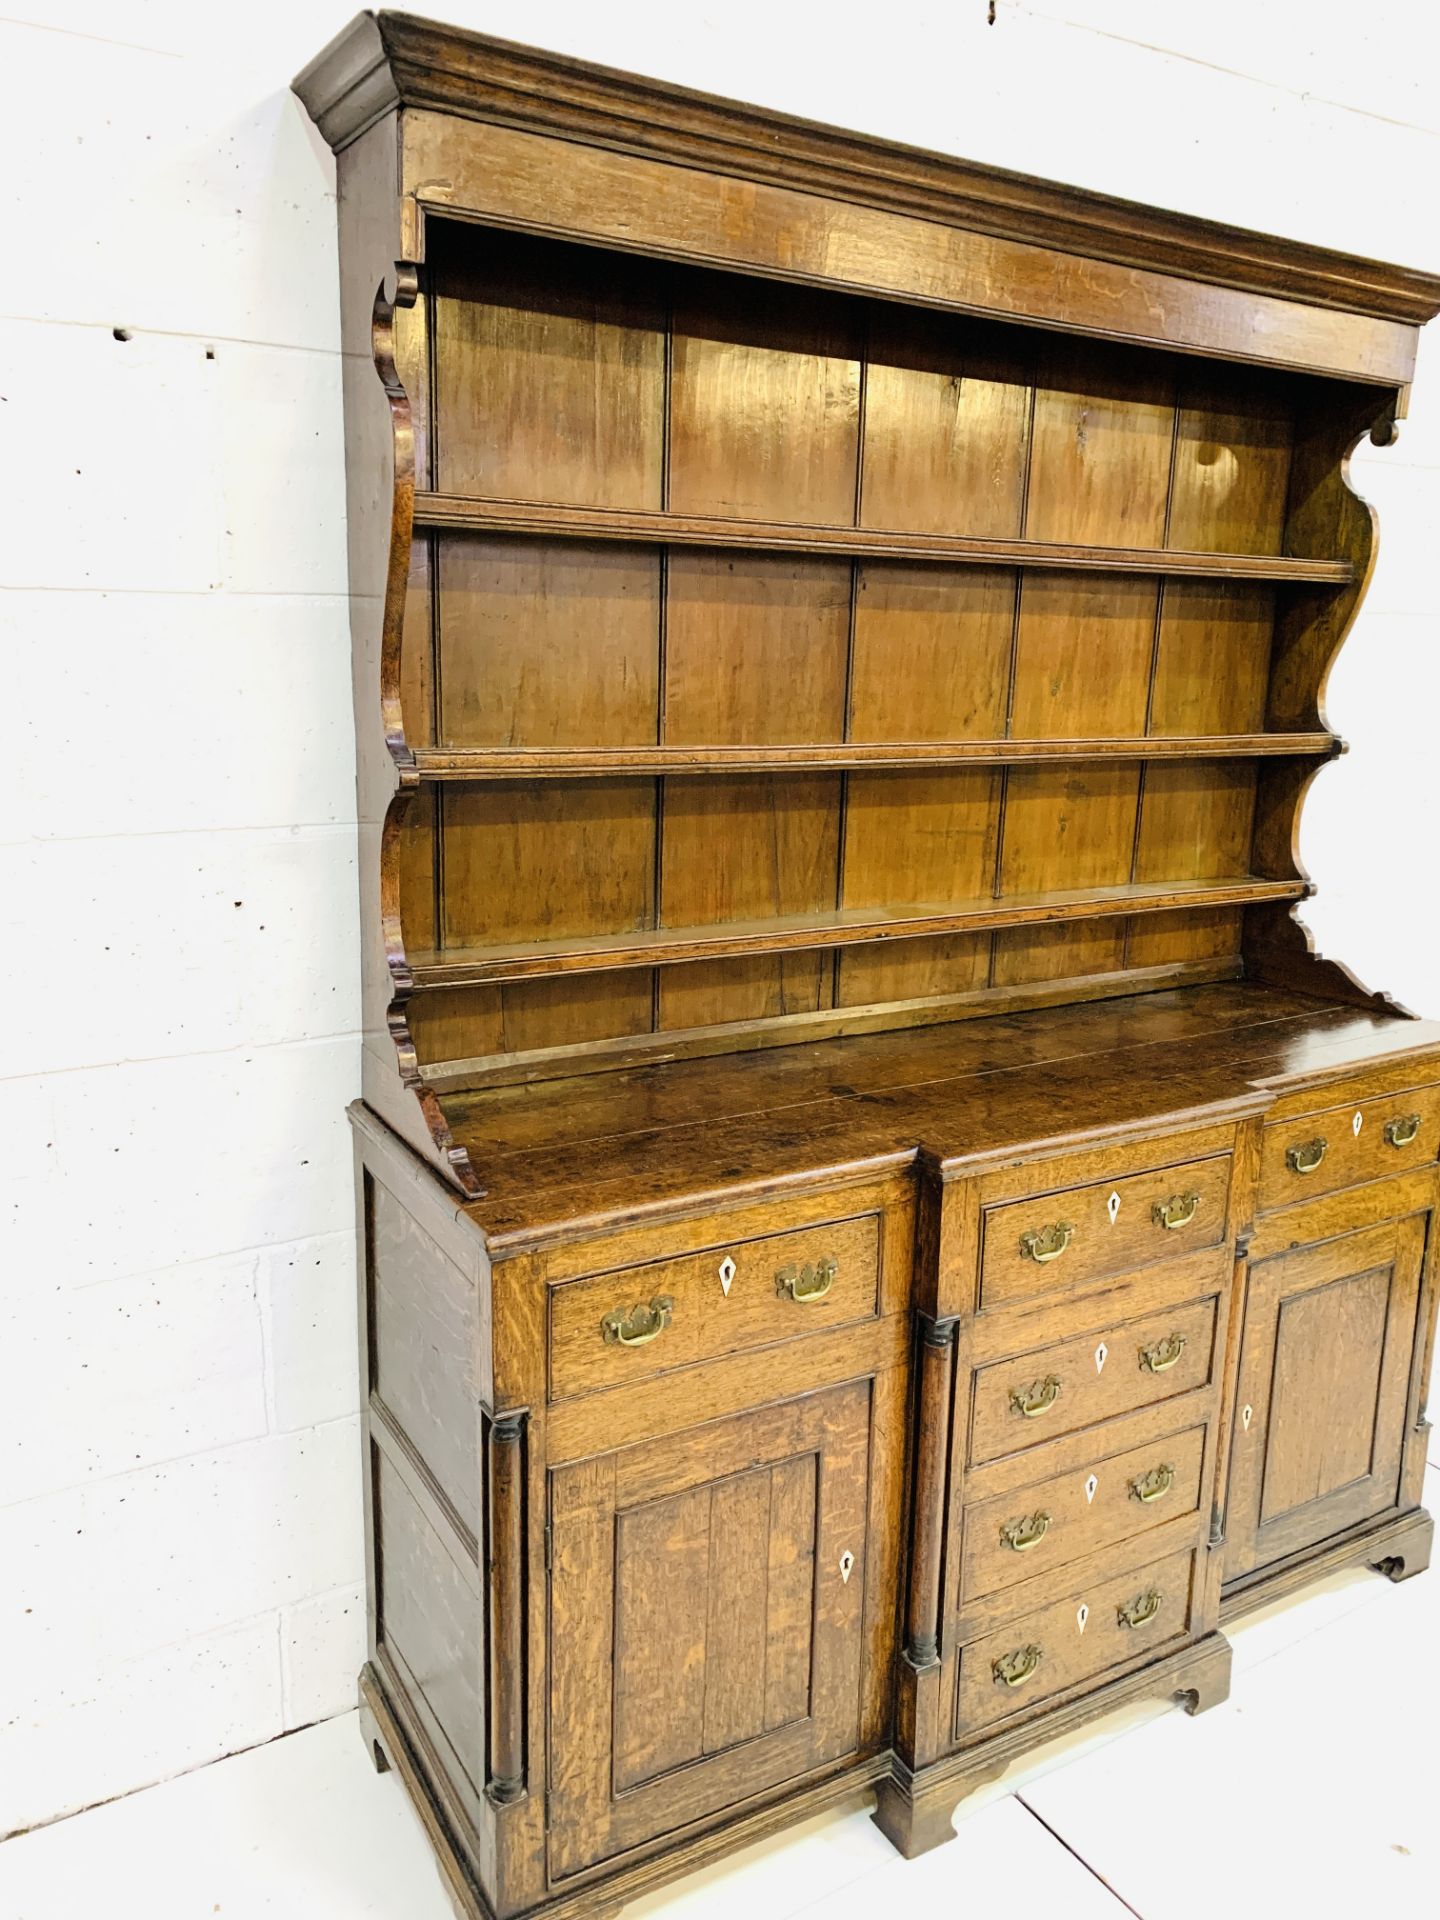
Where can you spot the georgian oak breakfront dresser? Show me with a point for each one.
(880, 1233)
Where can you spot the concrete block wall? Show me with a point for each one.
(179, 1512)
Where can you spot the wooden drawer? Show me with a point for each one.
(1035, 1246)
(1346, 1146)
(1089, 1378)
(703, 1305)
(1074, 1638)
(1019, 1535)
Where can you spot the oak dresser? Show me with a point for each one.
(880, 1234)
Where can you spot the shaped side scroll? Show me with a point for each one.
(1326, 516)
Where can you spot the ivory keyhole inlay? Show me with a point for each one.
(1357, 1122)
(727, 1274)
(1092, 1487)
(1112, 1207)
(1102, 1354)
(1246, 1416)
(1082, 1615)
(847, 1566)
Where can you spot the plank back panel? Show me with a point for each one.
(562, 374)
(549, 372)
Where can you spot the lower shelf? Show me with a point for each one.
(793, 933)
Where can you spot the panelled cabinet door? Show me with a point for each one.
(707, 1599)
(1324, 1374)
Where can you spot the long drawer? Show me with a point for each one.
(1093, 1376)
(1018, 1535)
(640, 1321)
(1347, 1146)
(1073, 1639)
(1063, 1240)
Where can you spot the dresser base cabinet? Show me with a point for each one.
(880, 1233)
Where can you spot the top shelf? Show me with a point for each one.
(461, 513)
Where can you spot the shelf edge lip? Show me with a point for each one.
(578, 763)
(459, 513)
(384, 60)
(677, 946)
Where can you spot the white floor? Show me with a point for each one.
(1311, 1794)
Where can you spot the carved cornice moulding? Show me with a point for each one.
(384, 60)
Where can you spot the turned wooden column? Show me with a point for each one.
(507, 1607)
(927, 1520)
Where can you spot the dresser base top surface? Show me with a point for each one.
(603, 1148)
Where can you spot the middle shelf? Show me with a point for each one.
(470, 513)
(502, 763)
(845, 926)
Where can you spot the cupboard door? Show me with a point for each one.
(1324, 1370)
(706, 1620)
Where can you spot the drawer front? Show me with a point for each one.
(626, 1326)
(1128, 1364)
(1318, 1152)
(1062, 1240)
(1073, 1639)
(1019, 1535)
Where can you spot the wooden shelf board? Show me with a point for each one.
(557, 763)
(459, 513)
(824, 1023)
(848, 926)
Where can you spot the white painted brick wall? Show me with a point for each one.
(179, 1510)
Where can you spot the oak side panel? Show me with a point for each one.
(426, 1616)
(417, 653)
(423, 1335)
(414, 828)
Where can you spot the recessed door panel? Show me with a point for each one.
(707, 1606)
(1324, 1370)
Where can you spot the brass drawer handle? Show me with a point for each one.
(1037, 1398)
(1163, 1355)
(1400, 1133)
(1014, 1669)
(1153, 1485)
(1021, 1535)
(1044, 1244)
(640, 1325)
(1176, 1212)
(1306, 1157)
(1141, 1610)
(807, 1283)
